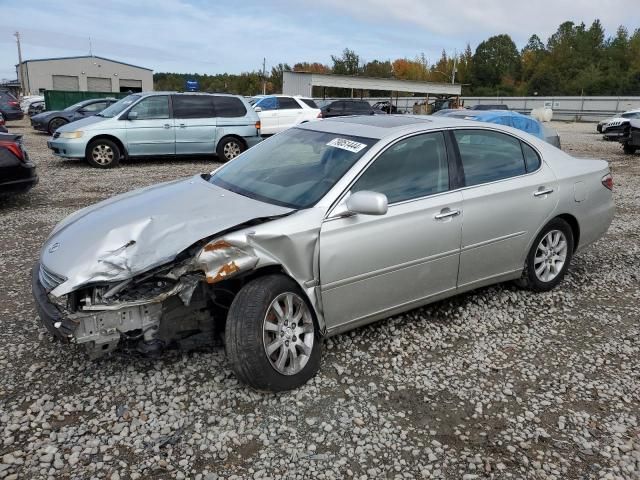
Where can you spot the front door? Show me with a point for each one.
(372, 265)
(510, 194)
(195, 124)
(152, 131)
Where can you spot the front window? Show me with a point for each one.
(74, 107)
(294, 169)
(120, 106)
(156, 106)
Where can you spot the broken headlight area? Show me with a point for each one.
(184, 303)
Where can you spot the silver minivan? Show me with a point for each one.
(161, 124)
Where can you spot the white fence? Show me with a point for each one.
(586, 109)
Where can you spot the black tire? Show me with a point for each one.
(530, 279)
(103, 153)
(244, 336)
(229, 148)
(55, 124)
(629, 149)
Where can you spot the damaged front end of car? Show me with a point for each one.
(182, 303)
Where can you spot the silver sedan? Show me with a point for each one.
(316, 231)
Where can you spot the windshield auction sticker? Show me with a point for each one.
(348, 145)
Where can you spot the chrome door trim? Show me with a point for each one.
(493, 240)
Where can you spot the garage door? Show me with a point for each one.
(130, 85)
(95, 84)
(66, 82)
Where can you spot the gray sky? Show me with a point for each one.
(215, 36)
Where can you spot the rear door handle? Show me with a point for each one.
(166, 125)
(446, 213)
(542, 191)
(182, 125)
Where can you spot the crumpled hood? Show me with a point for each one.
(131, 233)
(82, 124)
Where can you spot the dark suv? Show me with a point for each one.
(341, 108)
(9, 106)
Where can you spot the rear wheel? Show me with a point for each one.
(271, 338)
(55, 124)
(103, 153)
(229, 148)
(549, 257)
(629, 149)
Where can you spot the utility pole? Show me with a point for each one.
(453, 74)
(23, 85)
(264, 76)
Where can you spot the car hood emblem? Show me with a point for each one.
(54, 247)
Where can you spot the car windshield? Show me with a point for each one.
(293, 169)
(119, 106)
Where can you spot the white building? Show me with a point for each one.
(84, 74)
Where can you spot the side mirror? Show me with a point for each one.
(328, 109)
(132, 115)
(258, 109)
(366, 202)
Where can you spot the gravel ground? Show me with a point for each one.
(497, 383)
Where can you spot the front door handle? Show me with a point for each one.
(166, 125)
(182, 125)
(542, 191)
(446, 213)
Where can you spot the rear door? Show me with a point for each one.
(509, 195)
(195, 124)
(152, 131)
(289, 113)
(232, 118)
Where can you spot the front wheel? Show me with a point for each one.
(629, 149)
(229, 148)
(55, 124)
(271, 338)
(549, 257)
(103, 153)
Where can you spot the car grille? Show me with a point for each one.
(50, 280)
(56, 134)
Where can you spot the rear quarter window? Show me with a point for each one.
(229, 107)
(309, 102)
(531, 158)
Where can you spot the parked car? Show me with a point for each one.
(631, 141)
(53, 120)
(279, 112)
(27, 101)
(3, 128)
(342, 108)
(320, 229)
(618, 127)
(36, 108)
(161, 124)
(526, 123)
(385, 107)
(17, 172)
(9, 106)
(483, 106)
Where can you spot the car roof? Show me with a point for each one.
(148, 94)
(381, 126)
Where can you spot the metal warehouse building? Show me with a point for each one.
(83, 74)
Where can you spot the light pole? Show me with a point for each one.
(23, 85)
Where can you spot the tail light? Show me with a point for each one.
(14, 148)
(607, 181)
(258, 125)
(13, 103)
(320, 115)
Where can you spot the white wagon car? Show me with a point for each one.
(279, 112)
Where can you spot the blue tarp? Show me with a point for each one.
(512, 119)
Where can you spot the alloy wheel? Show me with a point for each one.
(102, 154)
(551, 256)
(232, 150)
(288, 333)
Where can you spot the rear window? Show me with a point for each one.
(229, 107)
(192, 106)
(287, 103)
(309, 102)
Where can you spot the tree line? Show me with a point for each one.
(575, 60)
